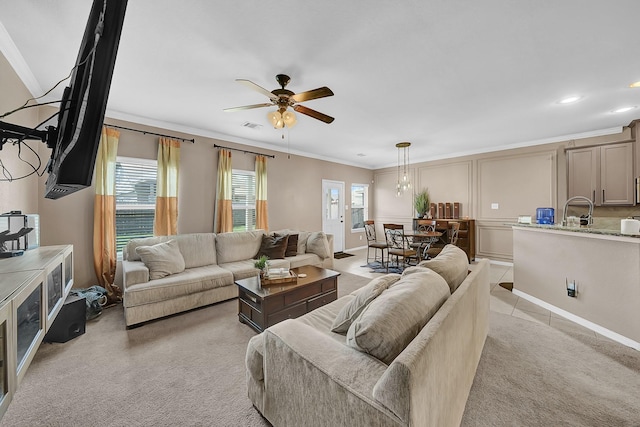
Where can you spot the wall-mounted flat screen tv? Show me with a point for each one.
(85, 101)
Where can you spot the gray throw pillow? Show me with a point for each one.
(162, 259)
(391, 321)
(452, 264)
(363, 297)
(318, 244)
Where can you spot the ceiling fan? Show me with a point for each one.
(283, 99)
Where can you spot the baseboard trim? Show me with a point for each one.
(581, 321)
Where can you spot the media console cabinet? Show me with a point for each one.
(33, 288)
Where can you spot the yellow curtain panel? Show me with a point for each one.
(262, 214)
(224, 217)
(104, 214)
(166, 218)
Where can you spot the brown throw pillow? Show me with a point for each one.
(273, 247)
(292, 245)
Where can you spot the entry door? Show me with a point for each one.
(333, 212)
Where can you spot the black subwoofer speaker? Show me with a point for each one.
(70, 322)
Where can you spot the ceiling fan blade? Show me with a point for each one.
(313, 113)
(257, 88)
(321, 92)
(247, 107)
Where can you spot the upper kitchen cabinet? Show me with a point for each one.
(603, 174)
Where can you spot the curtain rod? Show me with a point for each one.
(244, 151)
(193, 141)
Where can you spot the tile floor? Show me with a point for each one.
(502, 300)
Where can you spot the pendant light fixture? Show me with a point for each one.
(404, 183)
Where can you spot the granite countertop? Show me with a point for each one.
(581, 229)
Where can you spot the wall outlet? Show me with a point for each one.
(495, 206)
(361, 237)
(572, 288)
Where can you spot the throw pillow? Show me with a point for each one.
(318, 244)
(363, 297)
(162, 259)
(452, 264)
(392, 320)
(292, 245)
(272, 246)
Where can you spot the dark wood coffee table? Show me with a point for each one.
(263, 306)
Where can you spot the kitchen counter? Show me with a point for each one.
(581, 229)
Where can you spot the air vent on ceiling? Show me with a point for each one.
(251, 125)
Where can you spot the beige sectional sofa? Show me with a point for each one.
(194, 270)
(408, 357)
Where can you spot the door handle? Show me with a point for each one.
(594, 197)
(603, 195)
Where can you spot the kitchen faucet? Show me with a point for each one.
(581, 198)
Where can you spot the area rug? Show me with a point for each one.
(378, 267)
(189, 370)
(340, 255)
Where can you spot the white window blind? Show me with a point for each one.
(243, 200)
(359, 205)
(135, 199)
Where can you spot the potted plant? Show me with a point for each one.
(421, 203)
(262, 264)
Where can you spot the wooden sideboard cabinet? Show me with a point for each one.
(466, 235)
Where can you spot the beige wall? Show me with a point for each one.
(20, 194)
(517, 180)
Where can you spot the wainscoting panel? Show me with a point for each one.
(450, 182)
(516, 185)
(494, 240)
(385, 202)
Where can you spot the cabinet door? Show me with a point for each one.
(583, 170)
(616, 174)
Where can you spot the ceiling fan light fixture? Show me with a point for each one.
(289, 119)
(275, 118)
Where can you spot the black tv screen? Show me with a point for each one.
(85, 101)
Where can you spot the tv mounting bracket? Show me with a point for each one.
(10, 131)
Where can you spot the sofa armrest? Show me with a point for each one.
(307, 371)
(134, 272)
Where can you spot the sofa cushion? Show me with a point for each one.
(130, 251)
(392, 320)
(273, 246)
(292, 245)
(162, 259)
(191, 281)
(363, 297)
(197, 249)
(303, 236)
(318, 244)
(303, 259)
(452, 264)
(237, 246)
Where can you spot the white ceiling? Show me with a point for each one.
(452, 77)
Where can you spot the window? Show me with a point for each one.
(359, 206)
(135, 199)
(243, 200)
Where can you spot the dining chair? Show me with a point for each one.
(373, 243)
(454, 229)
(421, 244)
(398, 245)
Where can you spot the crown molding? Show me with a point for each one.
(16, 60)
